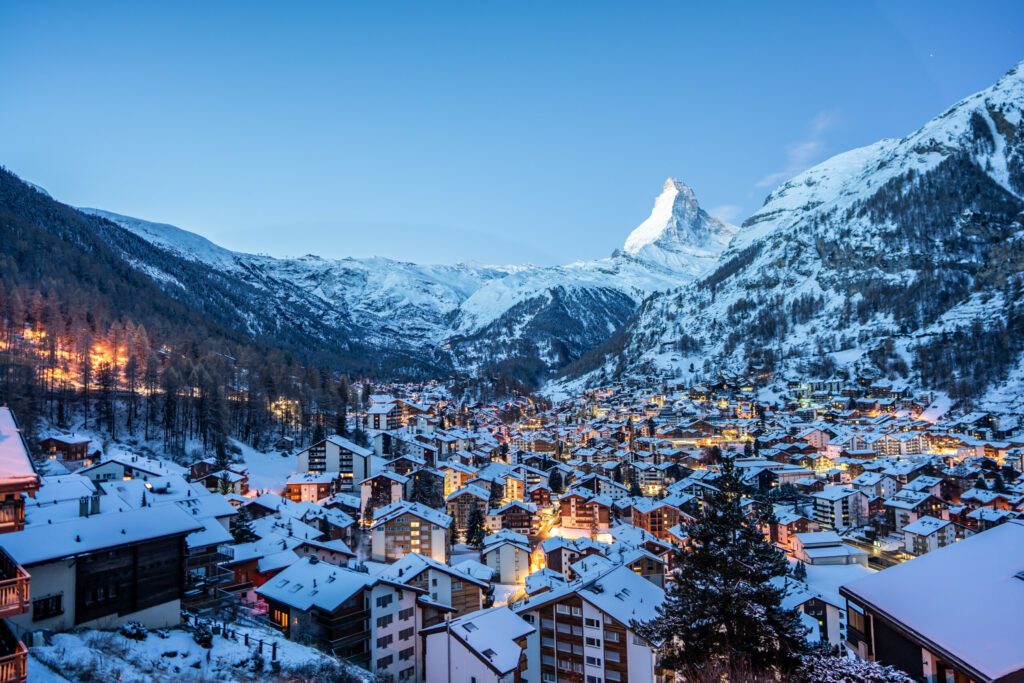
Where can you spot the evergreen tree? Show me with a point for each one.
(998, 483)
(241, 529)
(722, 607)
(555, 481)
(634, 488)
(475, 528)
(800, 571)
(981, 484)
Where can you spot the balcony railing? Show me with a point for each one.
(13, 657)
(12, 515)
(14, 587)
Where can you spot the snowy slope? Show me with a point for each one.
(902, 258)
(465, 315)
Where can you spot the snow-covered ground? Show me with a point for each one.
(267, 471)
(173, 655)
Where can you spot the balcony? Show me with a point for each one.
(14, 586)
(13, 657)
(12, 515)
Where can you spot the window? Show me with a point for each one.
(594, 679)
(406, 613)
(611, 636)
(856, 620)
(528, 618)
(591, 623)
(406, 654)
(577, 612)
(592, 642)
(405, 634)
(593, 661)
(563, 609)
(456, 585)
(385, 600)
(384, 641)
(384, 621)
(50, 606)
(385, 662)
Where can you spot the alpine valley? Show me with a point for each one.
(902, 259)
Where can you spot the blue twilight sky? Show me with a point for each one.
(489, 131)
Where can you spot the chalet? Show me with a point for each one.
(658, 516)
(339, 456)
(875, 484)
(519, 517)
(909, 506)
(105, 569)
(558, 554)
(309, 487)
(595, 619)
(461, 503)
(382, 489)
(446, 585)
(825, 547)
(404, 527)
(231, 480)
(486, 646)
(508, 554)
(68, 448)
(384, 416)
(840, 507)
(365, 619)
(894, 618)
(580, 510)
(927, 534)
(18, 480)
(787, 524)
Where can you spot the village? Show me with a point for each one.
(436, 540)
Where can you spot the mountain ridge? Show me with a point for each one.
(873, 262)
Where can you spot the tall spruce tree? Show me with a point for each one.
(241, 528)
(722, 608)
(475, 528)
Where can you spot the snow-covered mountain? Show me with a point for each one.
(466, 317)
(903, 258)
(679, 235)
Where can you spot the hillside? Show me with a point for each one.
(520, 321)
(901, 259)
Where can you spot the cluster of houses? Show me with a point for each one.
(522, 541)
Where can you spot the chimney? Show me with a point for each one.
(83, 506)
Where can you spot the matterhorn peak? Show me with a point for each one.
(678, 234)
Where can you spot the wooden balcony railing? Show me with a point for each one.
(12, 515)
(13, 657)
(14, 588)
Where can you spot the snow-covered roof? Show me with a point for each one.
(310, 583)
(490, 634)
(983, 574)
(66, 538)
(926, 525)
(15, 464)
(401, 507)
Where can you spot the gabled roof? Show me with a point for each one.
(310, 583)
(67, 538)
(984, 573)
(490, 634)
(402, 507)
